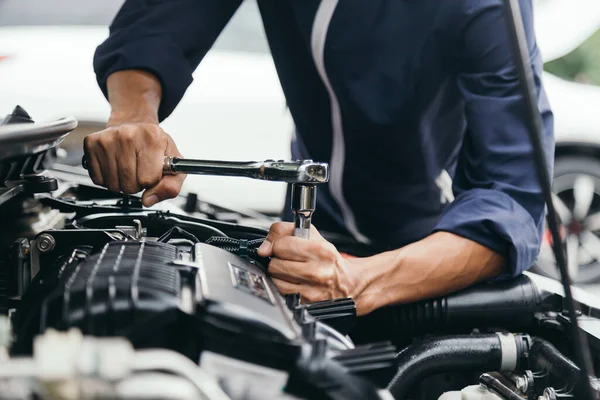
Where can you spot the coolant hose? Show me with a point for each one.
(546, 361)
(482, 352)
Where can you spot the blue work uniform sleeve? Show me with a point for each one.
(498, 198)
(167, 38)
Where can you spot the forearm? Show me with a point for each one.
(134, 97)
(435, 266)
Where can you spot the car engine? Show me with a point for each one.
(102, 298)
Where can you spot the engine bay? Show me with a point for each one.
(103, 298)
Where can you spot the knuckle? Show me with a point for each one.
(87, 142)
(148, 181)
(130, 188)
(326, 251)
(277, 227)
(106, 143)
(153, 133)
(113, 187)
(91, 141)
(325, 275)
(127, 135)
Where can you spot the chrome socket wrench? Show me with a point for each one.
(303, 175)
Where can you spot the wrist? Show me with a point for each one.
(373, 275)
(134, 97)
(137, 116)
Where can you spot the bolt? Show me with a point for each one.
(46, 243)
(548, 394)
(522, 384)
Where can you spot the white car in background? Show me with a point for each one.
(235, 108)
(561, 27)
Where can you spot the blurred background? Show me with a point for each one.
(235, 109)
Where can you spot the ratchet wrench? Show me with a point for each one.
(303, 175)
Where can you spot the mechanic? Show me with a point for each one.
(415, 105)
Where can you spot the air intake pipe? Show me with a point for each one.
(510, 305)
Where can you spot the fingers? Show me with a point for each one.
(150, 159)
(93, 162)
(110, 172)
(129, 157)
(168, 188)
(298, 249)
(308, 294)
(285, 287)
(280, 230)
(314, 274)
(290, 271)
(126, 164)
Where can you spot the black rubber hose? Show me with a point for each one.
(477, 353)
(559, 372)
(510, 305)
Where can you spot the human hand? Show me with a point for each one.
(129, 157)
(314, 268)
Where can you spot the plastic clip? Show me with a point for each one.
(244, 248)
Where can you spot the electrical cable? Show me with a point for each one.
(240, 247)
(533, 119)
(177, 232)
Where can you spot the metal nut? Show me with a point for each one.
(45, 243)
(521, 384)
(548, 394)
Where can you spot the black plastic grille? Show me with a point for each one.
(126, 282)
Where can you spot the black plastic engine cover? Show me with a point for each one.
(164, 295)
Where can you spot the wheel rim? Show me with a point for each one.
(577, 202)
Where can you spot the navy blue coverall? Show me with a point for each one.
(414, 103)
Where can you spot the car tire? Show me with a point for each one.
(574, 178)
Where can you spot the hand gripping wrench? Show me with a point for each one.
(303, 175)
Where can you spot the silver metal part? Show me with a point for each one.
(548, 394)
(137, 231)
(521, 384)
(303, 175)
(45, 243)
(304, 202)
(305, 171)
(28, 139)
(509, 351)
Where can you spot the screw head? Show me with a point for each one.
(46, 243)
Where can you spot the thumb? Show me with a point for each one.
(168, 188)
